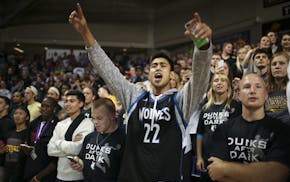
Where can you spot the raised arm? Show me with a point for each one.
(125, 91)
(220, 170)
(79, 22)
(192, 92)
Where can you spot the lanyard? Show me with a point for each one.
(40, 131)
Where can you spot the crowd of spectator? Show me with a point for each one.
(34, 89)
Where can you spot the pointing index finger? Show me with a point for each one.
(79, 10)
(197, 17)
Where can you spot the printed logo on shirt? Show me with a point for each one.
(150, 113)
(276, 103)
(13, 146)
(87, 115)
(152, 129)
(247, 150)
(99, 155)
(215, 118)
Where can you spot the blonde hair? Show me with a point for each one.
(238, 61)
(211, 94)
(177, 79)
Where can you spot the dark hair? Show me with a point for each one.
(162, 54)
(92, 89)
(80, 96)
(52, 101)
(107, 103)
(6, 99)
(23, 108)
(262, 51)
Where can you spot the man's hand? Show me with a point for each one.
(202, 30)
(78, 165)
(78, 137)
(78, 20)
(216, 169)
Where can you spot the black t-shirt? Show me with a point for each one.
(15, 158)
(212, 117)
(87, 113)
(6, 125)
(216, 115)
(102, 156)
(263, 140)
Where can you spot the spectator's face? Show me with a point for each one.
(139, 72)
(177, 68)
(285, 42)
(52, 94)
(272, 37)
(64, 88)
(261, 60)
(215, 58)
(182, 64)
(279, 66)
(89, 95)
(252, 92)
(20, 117)
(72, 105)
(242, 54)
(265, 42)
(2, 84)
(174, 80)
(47, 109)
(24, 73)
(17, 98)
(228, 49)
(102, 119)
(220, 84)
(3, 105)
(28, 95)
(84, 84)
(159, 74)
(247, 47)
(132, 72)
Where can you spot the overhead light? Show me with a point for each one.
(18, 50)
(124, 50)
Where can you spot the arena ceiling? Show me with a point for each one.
(20, 12)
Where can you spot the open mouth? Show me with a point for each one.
(158, 76)
(219, 87)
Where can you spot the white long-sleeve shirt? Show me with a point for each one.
(61, 148)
